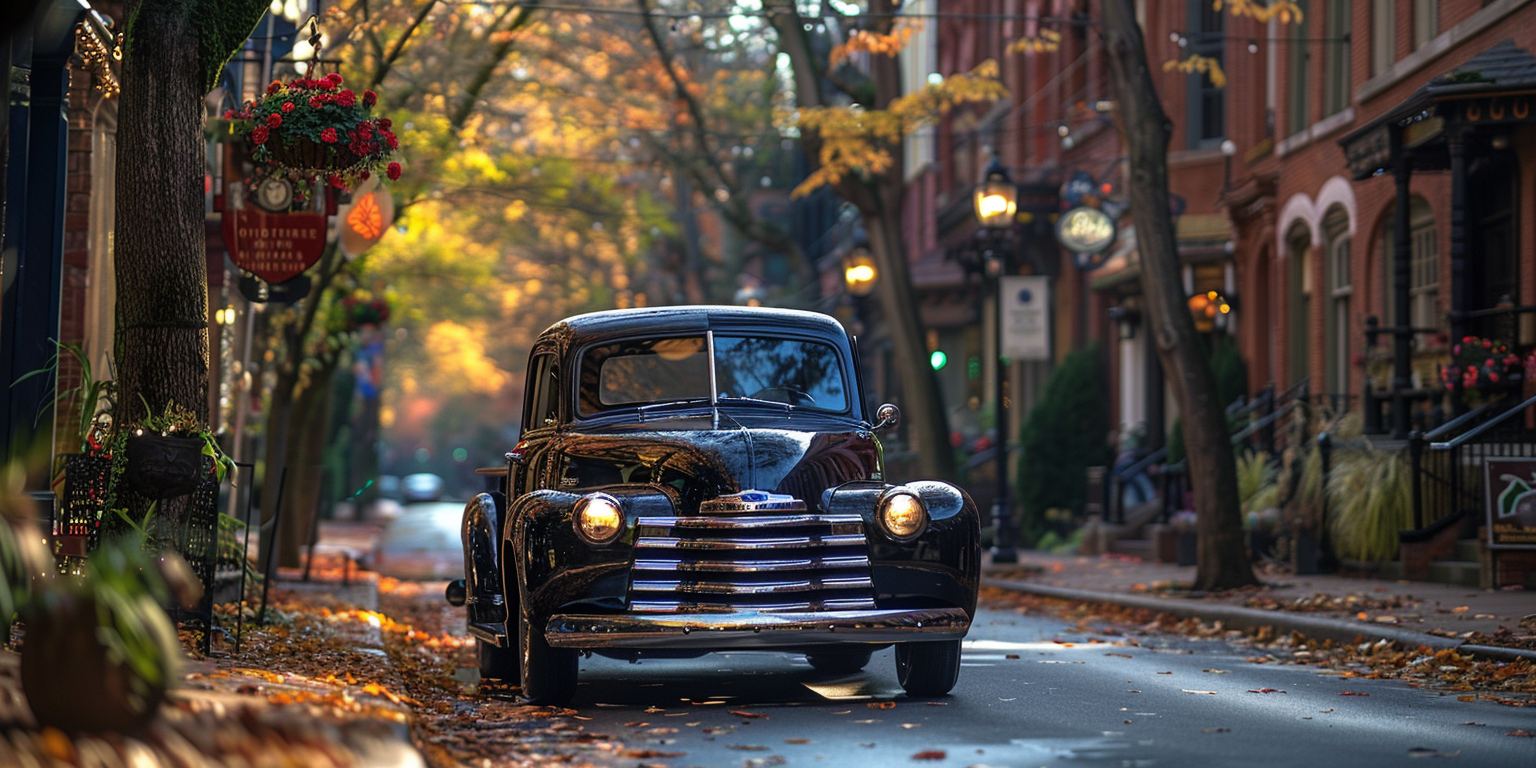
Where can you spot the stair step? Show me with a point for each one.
(1141, 548)
(1465, 573)
(1469, 550)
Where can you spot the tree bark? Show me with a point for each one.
(1222, 561)
(162, 275)
(878, 199)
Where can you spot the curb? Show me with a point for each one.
(1239, 617)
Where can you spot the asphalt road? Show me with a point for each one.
(1025, 699)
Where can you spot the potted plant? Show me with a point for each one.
(168, 453)
(313, 127)
(1187, 543)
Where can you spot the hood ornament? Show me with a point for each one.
(752, 501)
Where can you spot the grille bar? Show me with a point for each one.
(788, 562)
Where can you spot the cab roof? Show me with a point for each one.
(580, 330)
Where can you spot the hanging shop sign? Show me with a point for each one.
(1510, 487)
(1085, 230)
(366, 219)
(273, 246)
(1025, 304)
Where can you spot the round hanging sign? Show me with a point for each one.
(1085, 230)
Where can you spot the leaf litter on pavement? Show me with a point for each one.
(1512, 683)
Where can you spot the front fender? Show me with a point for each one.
(555, 568)
(480, 532)
(942, 566)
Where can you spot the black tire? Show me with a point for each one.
(843, 661)
(928, 669)
(548, 674)
(498, 664)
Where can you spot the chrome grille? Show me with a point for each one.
(797, 562)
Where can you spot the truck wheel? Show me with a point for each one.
(928, 668)
(844, 661)
(499, 664)
(549, 674)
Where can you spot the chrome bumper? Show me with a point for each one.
(753, 629)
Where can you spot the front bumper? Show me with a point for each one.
(753, 629)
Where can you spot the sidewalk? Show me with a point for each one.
(1495, 624)
(230, 710)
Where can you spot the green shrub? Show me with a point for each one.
(1066, 432)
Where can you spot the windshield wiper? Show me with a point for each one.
(670, 404)
(776, 404)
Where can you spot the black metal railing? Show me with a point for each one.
(1447, 462)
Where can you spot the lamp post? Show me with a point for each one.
(996, 202)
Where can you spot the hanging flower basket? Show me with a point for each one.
(317, 128)
(1482, 369)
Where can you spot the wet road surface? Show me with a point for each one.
(1025, 699)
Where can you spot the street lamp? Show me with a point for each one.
(996, 203)
(859, 272)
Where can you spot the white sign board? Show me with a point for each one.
(1025, 304)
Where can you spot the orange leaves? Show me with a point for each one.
(1048, 40)
(1284, 11)
(875, 43)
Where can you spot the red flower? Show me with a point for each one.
(287, 106)
(314, 101)
(336, 181)
(328, 135)
(394, 171)
(228, 114)
(364, 175)
(259, 135)
(274, 120)
(346, 98)
(333, 80)
(273, 88)
(369, 98)
(385, 123)
(1493, 377)
(299, 85)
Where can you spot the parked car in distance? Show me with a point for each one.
(696, 479)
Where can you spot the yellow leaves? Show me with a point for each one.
(1283, 10)
(875, 43)
(459, 361)
(856, 140)
(1197, 63)
(1048, 40)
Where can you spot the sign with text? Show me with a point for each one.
(274, 246)
(1025, 307)
(1510, 487)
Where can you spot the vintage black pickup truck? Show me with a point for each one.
(696, 479)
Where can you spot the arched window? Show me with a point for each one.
(1298, 244)
(1423, 267)
(1336, 252)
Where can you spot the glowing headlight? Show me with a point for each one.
(598, 519)
(903, 515)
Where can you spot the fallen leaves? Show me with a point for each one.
(931, 754)
(881, 705)
(1265, 690)
(748, 715)
(1215, 730)
(1521, 733)
(1208, 693)
(1353, 693)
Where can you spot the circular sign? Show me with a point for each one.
(274, 194)
(1085, 230)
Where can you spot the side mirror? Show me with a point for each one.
(887, 416)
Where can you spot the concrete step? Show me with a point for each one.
(1464, 573)
(1469, 550)
(1141, 548)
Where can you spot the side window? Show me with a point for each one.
(543, 394)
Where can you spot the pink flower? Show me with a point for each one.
(394, 171)
(1493, 377)
(1456, 350)
(369, 98)
(346, 98)
(287, 106)
(328, 135)
(274, 120)
(259, 135)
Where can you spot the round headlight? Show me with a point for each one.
(903, 515)
(598, 519)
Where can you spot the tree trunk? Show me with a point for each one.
(162, 275)
(1222, 562)
(311, 416)
(878, 199)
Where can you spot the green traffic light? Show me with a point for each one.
(938, 359)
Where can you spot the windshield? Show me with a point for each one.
(629, 374)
